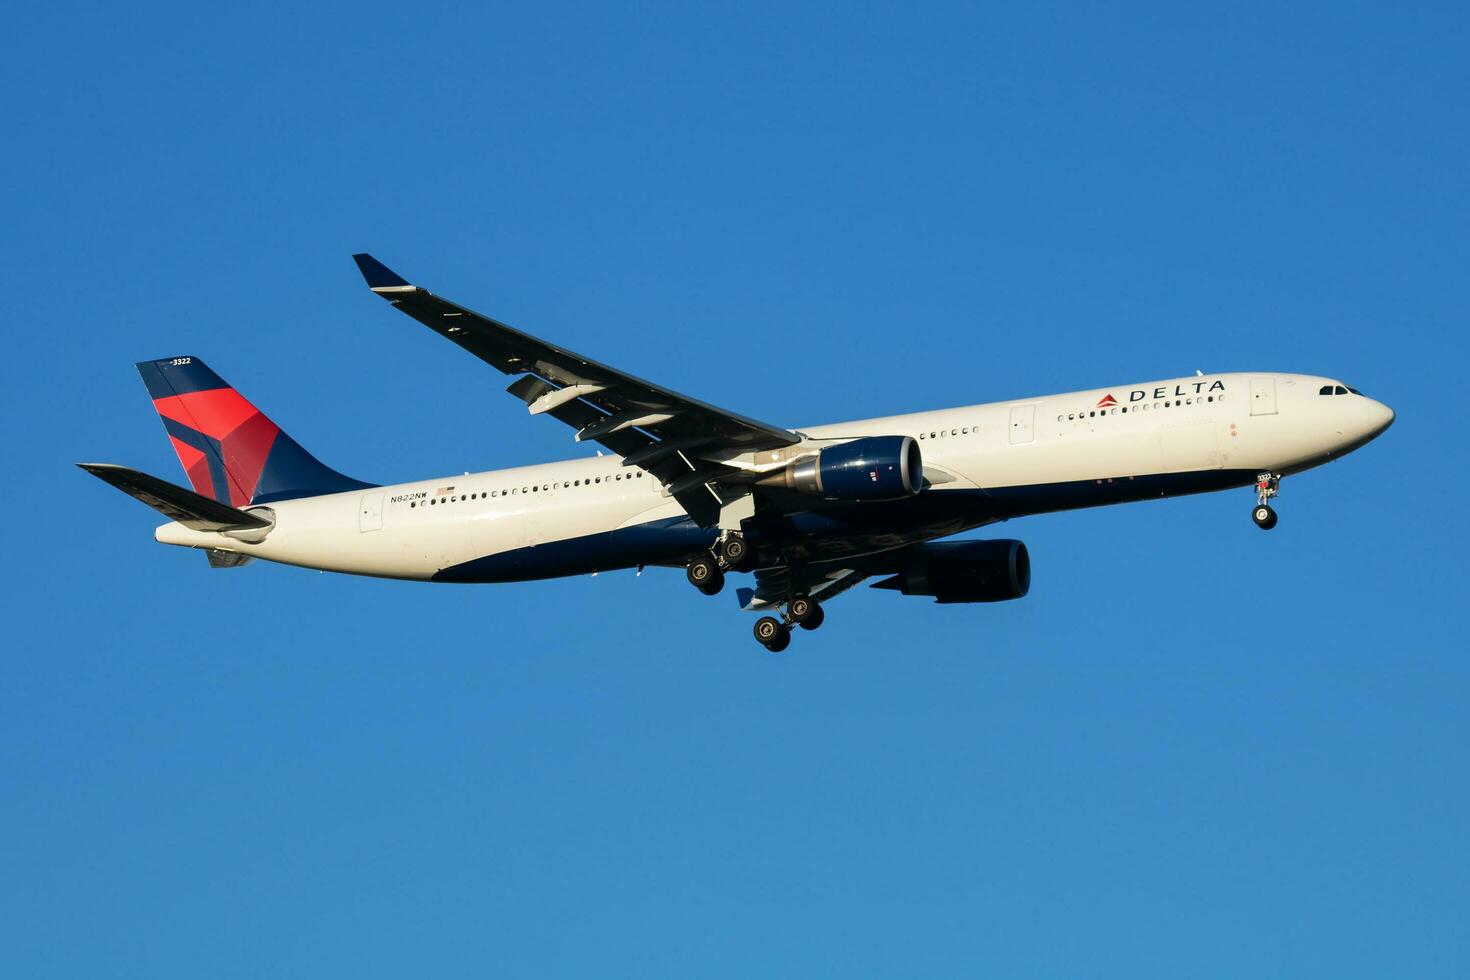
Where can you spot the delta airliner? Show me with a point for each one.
(809, 512)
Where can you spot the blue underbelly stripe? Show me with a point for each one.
(934, 513)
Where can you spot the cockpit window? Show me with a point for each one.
(1355, 391)
(1337, 390)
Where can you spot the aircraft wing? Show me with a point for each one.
(650, 426)
(774, 586)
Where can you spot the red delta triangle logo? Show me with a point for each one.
(1108, 401)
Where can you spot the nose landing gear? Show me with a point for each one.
(1267, 486)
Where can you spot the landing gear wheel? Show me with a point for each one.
(1264, 517)
(705, 575)
(773, 634)
(735, 551)
(802, 608)
(814, 619)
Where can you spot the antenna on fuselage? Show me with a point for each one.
(1198, 373)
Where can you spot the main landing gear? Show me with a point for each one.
(706, 575)
(734, 551)
(1267, 486)
(775, 634)
(731, 553)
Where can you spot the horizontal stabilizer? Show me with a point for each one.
(190, 509)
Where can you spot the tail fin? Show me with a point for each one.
(230, 450)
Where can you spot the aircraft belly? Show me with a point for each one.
(668, 540)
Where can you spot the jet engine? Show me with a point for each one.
(873, 468)
(965, 571)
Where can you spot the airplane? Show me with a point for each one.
(808, 512)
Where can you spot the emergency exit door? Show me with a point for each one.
(1263, 396)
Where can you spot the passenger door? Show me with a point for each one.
(1263, 396)
(370, 512)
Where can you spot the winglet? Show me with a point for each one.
(379, 277)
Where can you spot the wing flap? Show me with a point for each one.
(775, 585)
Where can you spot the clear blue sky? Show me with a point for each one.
(1194, 750)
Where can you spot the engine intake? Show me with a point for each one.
(966, 571)
(872, 468)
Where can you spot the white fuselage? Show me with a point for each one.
(983, 462)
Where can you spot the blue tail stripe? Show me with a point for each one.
(211, 450)
(178, 376)
(290, 471)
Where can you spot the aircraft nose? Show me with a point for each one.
(1367, 421)
(1383, 417)
(1359, 421)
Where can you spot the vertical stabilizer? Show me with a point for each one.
(230, 450)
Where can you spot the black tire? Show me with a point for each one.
(814, 619)
(802, 608)
(781, 642)
(1264, 517)
(735, 551)
(705, 575)
(715, 583)
(769, 629)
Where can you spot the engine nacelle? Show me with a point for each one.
(873, 468)
(966, 571)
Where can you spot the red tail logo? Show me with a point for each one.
(230, 450)
(222, 440)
